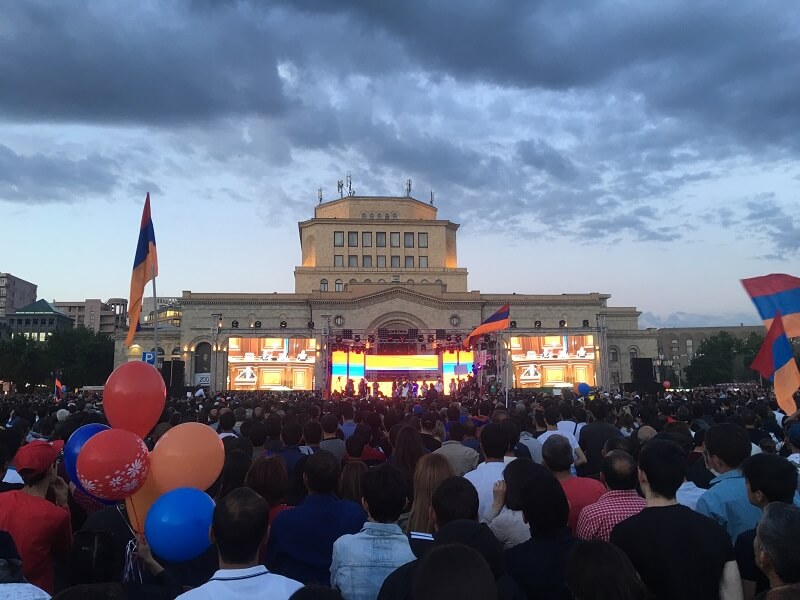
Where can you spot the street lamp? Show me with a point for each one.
(216, 327)
(662, 364)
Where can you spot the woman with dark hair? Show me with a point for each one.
(407, 452)
(350, 480)
(598, 570)
(234, 471)
(268, 477)
(505, 515)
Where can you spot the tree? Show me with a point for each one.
(713, 362)
(23, 362)
(82, 356)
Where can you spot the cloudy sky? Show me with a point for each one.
(647, 150)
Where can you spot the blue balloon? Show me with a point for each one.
(584, 389)
(178, 524)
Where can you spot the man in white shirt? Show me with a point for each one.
(494, 443)
(551, 417)
(239, 529)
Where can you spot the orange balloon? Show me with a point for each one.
(188, 455)
(139, 504)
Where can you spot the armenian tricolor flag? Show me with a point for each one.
(777, 293)
(775, 361)
(59, 388)
(145, 268)
(497, 322)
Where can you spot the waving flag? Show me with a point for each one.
(775, 361)
(777, 293)
(145, 268)
(497, 322)
(59, 388)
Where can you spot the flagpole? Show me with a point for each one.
(155, 313)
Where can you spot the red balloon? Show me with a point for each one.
(113, 464)
(134, 397)
(666, 384)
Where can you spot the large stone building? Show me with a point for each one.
(94, 314)
(380, 295)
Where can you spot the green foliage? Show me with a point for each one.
(80, 355)
(723, 358)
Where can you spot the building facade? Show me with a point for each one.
(380, 295)
(94, 314)
(15, 293)
(38, 320)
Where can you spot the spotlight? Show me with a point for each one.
(430, 339)
(338, 339)
(356, 338)
(512, 324)
(371, 339)
(449, 338)
(537, 324)
(586, 322)
(234, 324)
(562, 323)
(283, 324)
(257, 324)
(311, 324)
(420, 338)
(458, 339)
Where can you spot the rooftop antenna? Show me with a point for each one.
(408, 188)
(319, 194)
(431, 197)
(340, 188)
(350, 191)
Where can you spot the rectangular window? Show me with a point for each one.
(352, 260)
(380, 239)
(352, 239)
(423, 262)
(422, 240)
(381, 262)
(395, 262)
(408, 240)
(338, 260)
(338, 239)
(366, 239)
(395, 239)
(409, 262)
(366, 261)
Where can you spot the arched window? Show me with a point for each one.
(368, 281)
(381, 281)
(410, 281)
(633, 353)
(438, 281)
(352, 281)
(424, 281)
(386, 217)
(323, 285)
(613, 354)
(338, 285)
(380, 215)
(363, 215)
(371, 215)
(394, 215)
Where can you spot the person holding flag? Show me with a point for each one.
(145, 269)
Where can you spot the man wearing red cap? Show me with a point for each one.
(41, 529)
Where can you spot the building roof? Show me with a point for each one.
(40, 307)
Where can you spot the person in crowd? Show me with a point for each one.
(312, 437)
(238, 530)
(494, 445)
(552, 417)
(777, 550)
(428, 424)
(453, 572)
(432, 470)
(227, 423)
(594, 436)
(454, 508)
(752, 424)
(598, 570)
(621, 501)
(505, 517)
(13, 584)
(291, 453)
(698, 473)
(273, 442)
(330, 441)
(408, 450)
(527, 439)
(234, 472)
(581, 491)
(679, 553)
(350, 481)
(461, 458)
(362, 561)
(268, 478)
(470, 437)
(768, 478)
(793, 444)
(257, 434)
(726, 447)
(348, 425)
(357, 448)
(41, 529)
(8, 443)
(539, 565)
(301, 540)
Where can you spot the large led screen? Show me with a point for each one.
(271, 363)
(553, 360)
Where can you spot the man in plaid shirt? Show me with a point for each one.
(620, 501)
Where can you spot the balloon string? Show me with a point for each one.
(135, 516)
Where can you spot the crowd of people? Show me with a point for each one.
(688, 495)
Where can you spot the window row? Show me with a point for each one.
(338, 285)
(380, 239)
(384, 216)
(29, 321)
(380, 261)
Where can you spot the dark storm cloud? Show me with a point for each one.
(541, 155)
(39, 179)
(89, 62)
(775, 225)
